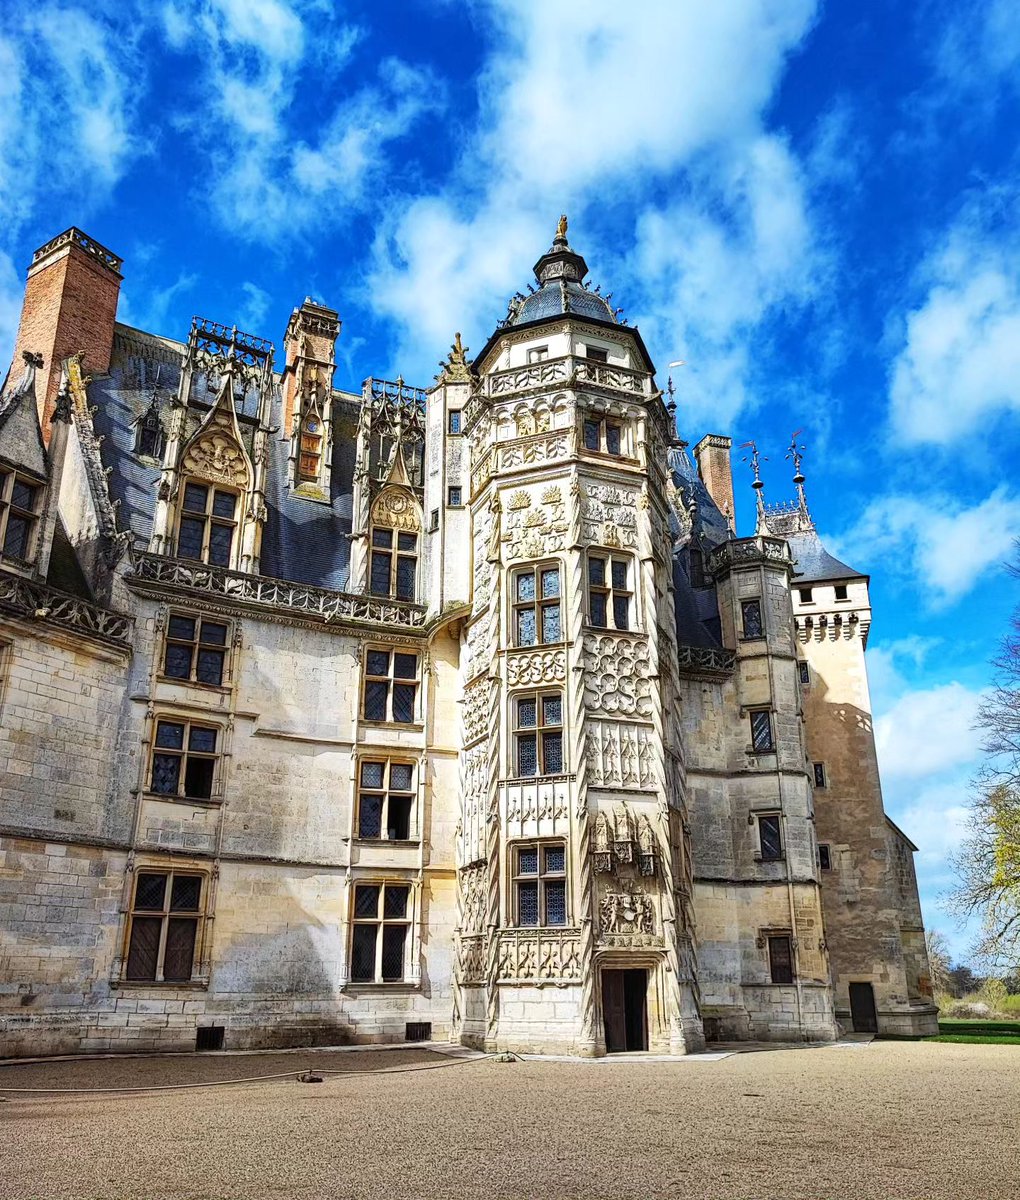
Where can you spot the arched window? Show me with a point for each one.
(393, 545)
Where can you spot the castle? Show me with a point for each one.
(453, 713)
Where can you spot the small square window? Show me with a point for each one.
(597, 354)
(538, 354)
(824, 857)
(454, 497)
(434, 520)
(841, 593)
(819, 771)
(453, 421)
(806, 595)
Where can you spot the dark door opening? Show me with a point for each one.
(625, 1010)
(862, 1008)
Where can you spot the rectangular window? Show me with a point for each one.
(391, 686)
(538, 354)
(454, 497)
(819, 772)
(19, 508)
(164, 926)
(781, 959)
(394, 563)
(841, 593)
(602, 435)
(538, 734)
(385, 799)
(824, 857)
(595, 354)
(380, 926)
(806, 595)
(453, 421)
(805, 673)
(609, 593)
(434, 520)
(184, 759)
(540, 884)
(207, 525)
(761, 730)
(769, 837)
(750, 612)
(537, 614)
(196, 649)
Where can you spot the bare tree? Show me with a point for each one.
(988, 861)
(939, 963)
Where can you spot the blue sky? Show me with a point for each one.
(814, 205)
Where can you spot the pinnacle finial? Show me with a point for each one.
(795, 451)
(755, 459)
(561, 227)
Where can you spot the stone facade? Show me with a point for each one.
(458, 713)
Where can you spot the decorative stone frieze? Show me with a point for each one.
(539, 956)
(530, 668)
(609, 516)
(476, 707)
(616, 675)
(619, 754)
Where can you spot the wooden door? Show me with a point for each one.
(614, 1012)
(862, 1008)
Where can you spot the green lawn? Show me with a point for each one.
(997, 1033)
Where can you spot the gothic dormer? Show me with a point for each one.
(307, 398)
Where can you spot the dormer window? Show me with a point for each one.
(19, 508)
(394, 563)
(310, 455)
(149, 434)
(208, 524)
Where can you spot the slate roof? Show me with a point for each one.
(813, 563)
(696, 609)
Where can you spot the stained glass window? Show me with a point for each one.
(540, 889)
(537, 606)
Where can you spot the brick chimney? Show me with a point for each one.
(70, 305)
(712, 454)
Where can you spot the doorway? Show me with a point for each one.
(625, 1010)
(862, 1008)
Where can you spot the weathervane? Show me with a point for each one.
(795, 452)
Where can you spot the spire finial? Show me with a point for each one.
(795, 451)
(561, 228)
(756, 459)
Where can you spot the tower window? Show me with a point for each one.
(770, 837)
(540, 884)
(310, 456)
(824, 857)
(806, 595)
(207, 525)
(781, 959)
(762, 740)
(538, 354)
(391, 686)
(841, 592)
(609, 593)
(819, 773)
(385, 799)
(19, 506)
(379, 932)
(750, 612)
(394, 563)
(453, 420)
(602, 436)
(538, 734)
(454, 497)
(184, 759)
(805, 673)
(149, 434)
(537, 617)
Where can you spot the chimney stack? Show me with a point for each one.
(70, 305)
(712, 454)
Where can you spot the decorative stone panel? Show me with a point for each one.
(540, 956)
(616, 675)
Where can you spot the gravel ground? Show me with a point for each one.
(889, 1120)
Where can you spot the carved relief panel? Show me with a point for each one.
(533, 668)
(619, 754)
(609, 516)
(616, 675)
(534, 523)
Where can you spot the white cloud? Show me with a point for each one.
(927, 731)
(890, 662)
(958, 367)
(253, 308)
(581, 119)
(944, 547)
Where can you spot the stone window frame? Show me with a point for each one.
(455, 417)
(183, 754)
(379, 920)
(166, 914)
(542, 878)
(397, 555)
(610, 590)
(606, 431)
(454, 496)
(536, 354)
(824, 856)
(758, 730)
(392, 681)
(543, 732)
(386, 791)
(819, 775)
(226, 648)
(804, 672)
(538, 604)
(770, 853)
(10, 478)
(750, 604)
(210, 520)
(775, 954)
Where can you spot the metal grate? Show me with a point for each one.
(418, 1031)
(209, 1037)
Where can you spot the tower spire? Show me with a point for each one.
(795, 451)
(755, 459)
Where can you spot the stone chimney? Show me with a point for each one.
(70, 305)
(309, 343)
(712, 454)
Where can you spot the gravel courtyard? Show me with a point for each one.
(886, 1120)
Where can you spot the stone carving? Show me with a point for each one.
(609, 516)
(539, 956)
(648, 846)
(38, 602)
(619, 755)
(521, 379)
(475, 713)
(474, 802)
(473, 881)
(397, 509)
(532, 803)
(527, 668)
(218, 458)
(472, 961)
(626, 912)
(601, 844)
(536, 450)
(616, 675)
(533, 531)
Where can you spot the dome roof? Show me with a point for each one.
(560, 273)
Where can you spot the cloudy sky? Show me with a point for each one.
(815, 205)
